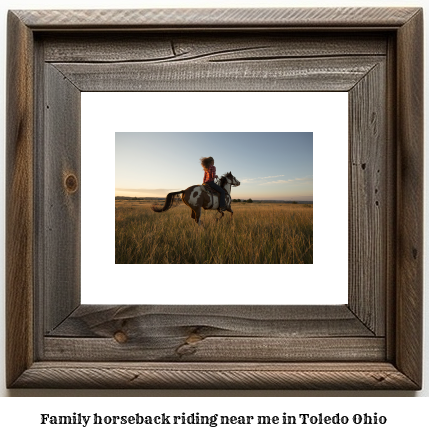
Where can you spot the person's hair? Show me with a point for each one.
(206, 162)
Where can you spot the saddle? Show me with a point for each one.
(209, 189)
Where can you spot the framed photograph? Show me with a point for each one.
(270, 220)
(56, 339)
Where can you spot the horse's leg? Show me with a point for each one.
(195, 215)
(191, 197)
(198, 216)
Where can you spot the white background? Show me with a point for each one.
(324, 114)
(16, 414)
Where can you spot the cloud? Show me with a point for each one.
(256, 179)
(296, 180)
(271, 177)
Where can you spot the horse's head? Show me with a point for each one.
(234, 181)
(229, 178)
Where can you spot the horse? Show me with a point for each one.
(201, 196)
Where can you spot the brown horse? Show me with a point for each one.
(199, 196)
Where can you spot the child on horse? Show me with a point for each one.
(209, 176)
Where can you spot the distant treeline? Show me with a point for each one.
(139, 198)
(271, 201)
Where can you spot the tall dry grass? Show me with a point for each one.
(258, 233)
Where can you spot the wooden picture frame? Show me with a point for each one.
(373, 342)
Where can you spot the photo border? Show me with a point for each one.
(48, 342)
(301, 112)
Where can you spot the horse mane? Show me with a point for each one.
(223, 179)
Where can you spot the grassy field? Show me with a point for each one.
(258, 233)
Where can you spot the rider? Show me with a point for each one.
(209, 175)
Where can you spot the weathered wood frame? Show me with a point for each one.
(373, 342)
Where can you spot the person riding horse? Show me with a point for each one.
(197, 197)
(209, 179)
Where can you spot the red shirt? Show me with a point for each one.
(209, 174)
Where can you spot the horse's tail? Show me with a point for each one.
(169, 200)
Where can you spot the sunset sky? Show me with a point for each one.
(270, 166)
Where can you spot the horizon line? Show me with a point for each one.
(260, 199)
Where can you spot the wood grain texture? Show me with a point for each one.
(213, 333)
(391, 191)
(19, 200)
(61, 186)
(218, 18)
(171, 46)
(215, 376)
(330, 74)
(187, 347)
(409, 273)
(368, 201)
(99, 321)
(39, 199)
(178, 348)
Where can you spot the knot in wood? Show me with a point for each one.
(193, 337)
(71, 183)
(120, 337)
